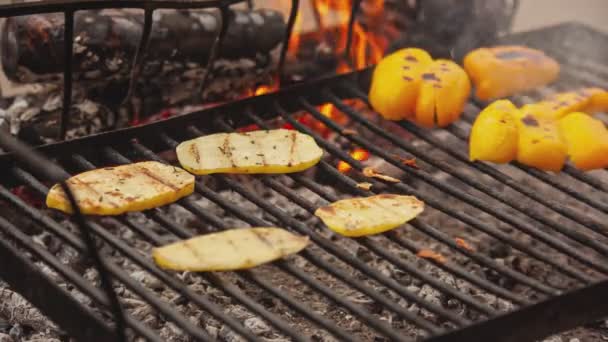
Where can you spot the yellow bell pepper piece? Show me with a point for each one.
(408, 84)
(586, 100)
(540, 143)
(586, 139)
(395, 83)
(494, 135)
(444, 90)
(505, 70)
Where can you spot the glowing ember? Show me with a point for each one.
(357, 154)
(463, 244)
(263, 89)
(430, 254)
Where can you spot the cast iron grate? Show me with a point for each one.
(568, 239)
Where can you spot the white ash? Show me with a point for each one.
(18, 313)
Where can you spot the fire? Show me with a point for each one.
(357, 154)
(263, 89)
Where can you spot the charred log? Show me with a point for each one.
(105, 41)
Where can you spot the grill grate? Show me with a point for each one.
(568, 241)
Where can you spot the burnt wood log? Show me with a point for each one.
(106, 40)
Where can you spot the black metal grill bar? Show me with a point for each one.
(291, 21)
(448, 266)
(159, 218)
(68, 39)
(325, 244)
(119, 245)
(585, 178)
(374, 247)
(593, 225)
(215, 48)
(456, 214)
(540, 175)
(345, 256)
(412, 247)
(379, 326)
(516, 222)
(427, 228)
(470, 199)
(79, 282)
(21, 272)
(367, 242)
(140, 53)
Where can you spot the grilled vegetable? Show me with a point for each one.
(505, 70)
(540, 143)
(408, 84)
(586, 139)
(229, 250)
(396, 81)
(275, 151)
(125, 188)
(494, 135)
(444, 90)
(369, 215)
(586, 100)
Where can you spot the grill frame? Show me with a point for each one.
(315, 94)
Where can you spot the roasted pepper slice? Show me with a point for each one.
(408, 84)
(540, 143)
(586, 100)
(395, 83)
(586, 139)
(505, 70)
(494, 135)
(444, 90)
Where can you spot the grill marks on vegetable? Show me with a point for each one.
(530, 120)
(125, 188)
(274, 151)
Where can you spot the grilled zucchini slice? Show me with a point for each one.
(369, 215)
(229, 250)
(124, 188)
(274, 151)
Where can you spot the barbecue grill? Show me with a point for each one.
(556, 222)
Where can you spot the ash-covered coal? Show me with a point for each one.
(169, 79)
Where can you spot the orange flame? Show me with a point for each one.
(357, 154)
(263, 89)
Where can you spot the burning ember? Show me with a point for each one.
(357, 154)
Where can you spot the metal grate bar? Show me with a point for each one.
(140, 53)
(593, 225)
(49, 297)
(216, 198)
(370, 244)
(215, 48)
(80, 283)
(456, 214)
(427, 228)
(325, 244)
(68, 38)
(291, 21)
(117, 244)
(558, 244)
(448, 266)
(116, 157)
(414, 248)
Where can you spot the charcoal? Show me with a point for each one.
(106, 40)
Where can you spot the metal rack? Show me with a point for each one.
(580, 242)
